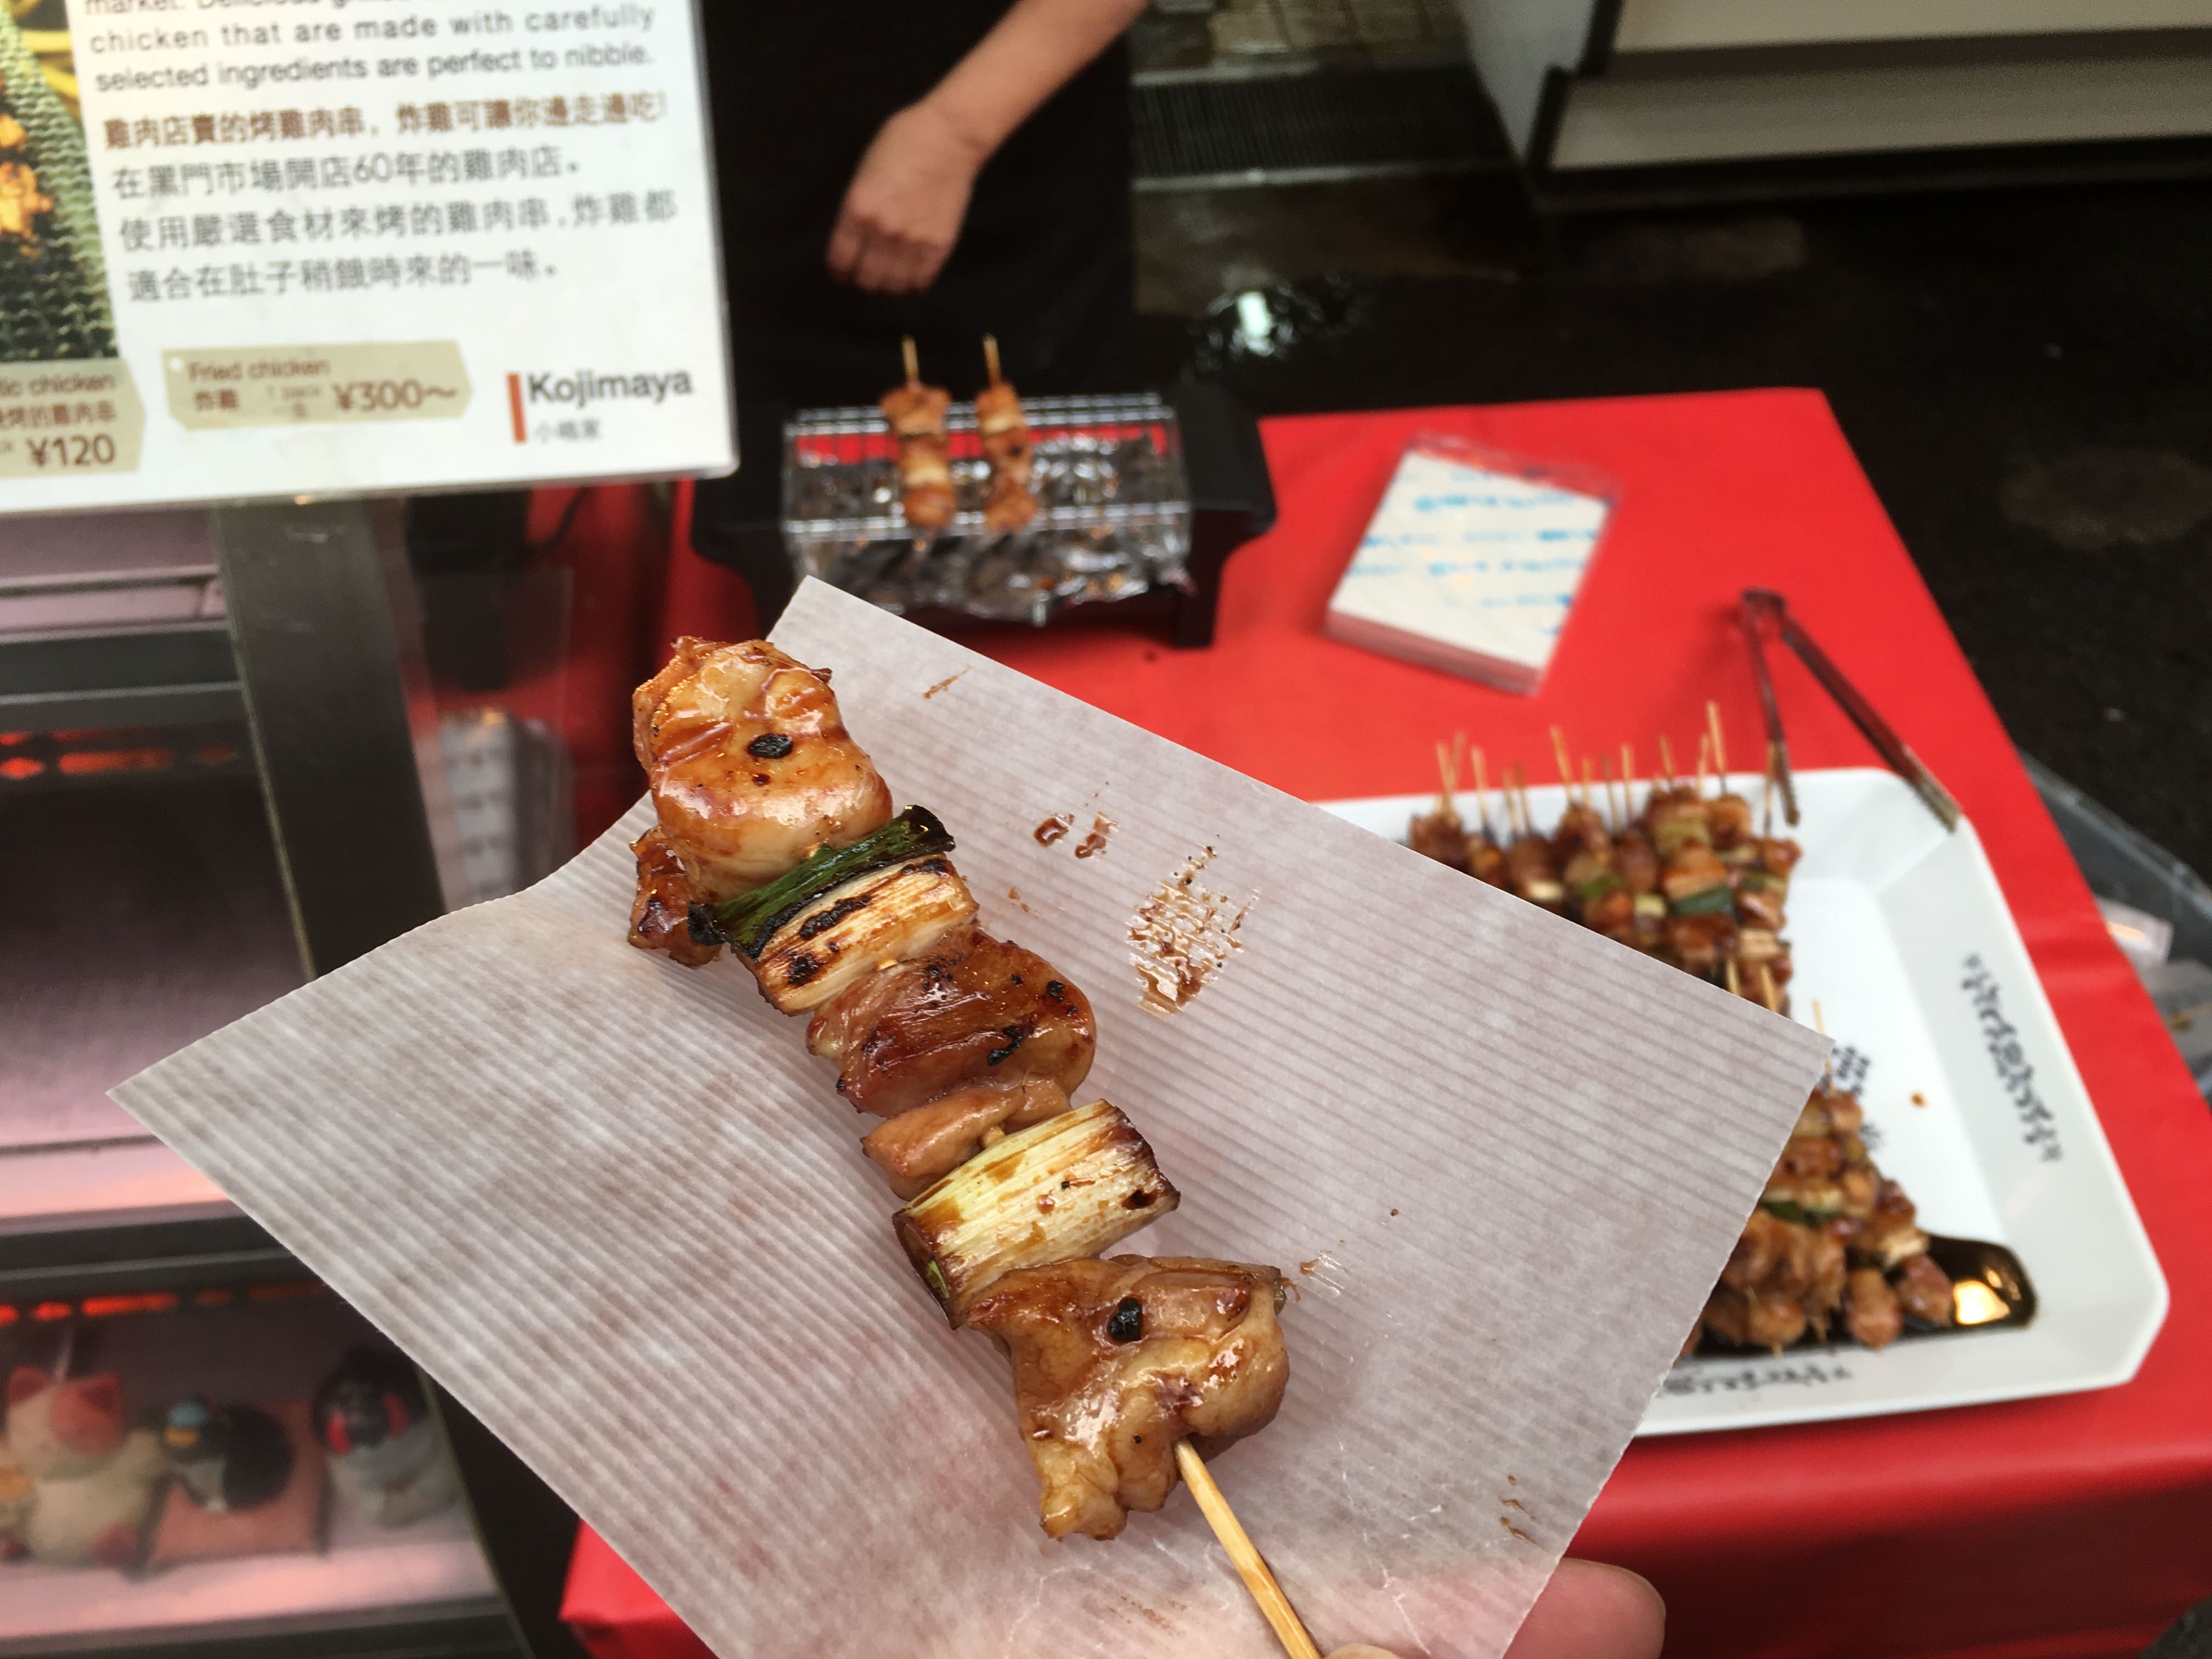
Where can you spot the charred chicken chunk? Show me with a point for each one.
(750, 763)
(1115, 1361)
(657, 918)
(1441, 835)
(1871, 1312)
(975, 1010)
(1924, 1290)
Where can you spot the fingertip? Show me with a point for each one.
(1593, 1611)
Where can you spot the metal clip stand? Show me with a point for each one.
(327, 632)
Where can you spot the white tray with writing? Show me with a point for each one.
(1901, 934)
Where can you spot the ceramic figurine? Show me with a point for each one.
(92, 1479)
(382, 1442)
(231, 1458)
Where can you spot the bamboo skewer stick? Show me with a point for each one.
(1589, 778)
(1447, 776)
(913, 361)
(1566, 770)
(1770, 993)
(1704, 761)
(1481, 793)
(1628, 777)
(1720, 748)
(991, 357)
(1666, 761)
(1250, 1566)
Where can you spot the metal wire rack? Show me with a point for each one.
(1112, 519)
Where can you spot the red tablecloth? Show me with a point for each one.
(2074, 1526)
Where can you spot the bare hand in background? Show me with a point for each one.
(902, 211)
(1587, 1611)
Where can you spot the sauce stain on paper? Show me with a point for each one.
(940, 685)
(1094, 844)
(1183, 933)
(1053, 827)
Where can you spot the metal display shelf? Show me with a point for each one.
(147, 648)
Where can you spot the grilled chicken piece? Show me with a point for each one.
(1700, 943)
(1892, 1233)
(1728, 818)
(975, 1010)
(1580, 829)
(1439, 833)
(1924, 1289)
(750, 763)
(1754, 1319)
(916, 415)
(1636, 862)
(657, 918)
(1871, 1313)
(916, 1147)
(1531, 873)
(1763, 1243)
(1484, 859)
(1115, 1361)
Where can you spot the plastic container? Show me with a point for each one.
(2121, 863)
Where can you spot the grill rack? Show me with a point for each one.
(1113, 516)
(768, 521)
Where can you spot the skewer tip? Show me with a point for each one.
(1290, 1630)
(913, 360)
(991, 356)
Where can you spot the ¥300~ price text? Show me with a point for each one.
(382, 397)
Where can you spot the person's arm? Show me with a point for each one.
(902, 211)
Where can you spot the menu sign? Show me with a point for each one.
(282, 247)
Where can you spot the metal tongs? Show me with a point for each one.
(1764, 609)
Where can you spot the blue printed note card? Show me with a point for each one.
(1471, 564)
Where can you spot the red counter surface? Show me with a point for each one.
(2076, 1526)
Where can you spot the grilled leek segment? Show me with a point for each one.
(1072, 1186)
(874, 919)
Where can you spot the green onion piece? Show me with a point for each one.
(1710, 902)
(1598, 886)
(1783, 1209)
(747, 920)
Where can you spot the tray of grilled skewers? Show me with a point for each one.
(1945, 1226)
(1001, 508)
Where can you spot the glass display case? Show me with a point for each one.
(237, 749)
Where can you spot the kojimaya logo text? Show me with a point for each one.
(572, 392)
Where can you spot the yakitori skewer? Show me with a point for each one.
(1004, 430)
(916, 415)
(775, 840)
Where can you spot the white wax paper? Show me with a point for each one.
(615, 1206)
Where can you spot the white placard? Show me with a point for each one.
(1469, 567)
(299, 247)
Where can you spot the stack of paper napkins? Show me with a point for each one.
(1471, 564)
